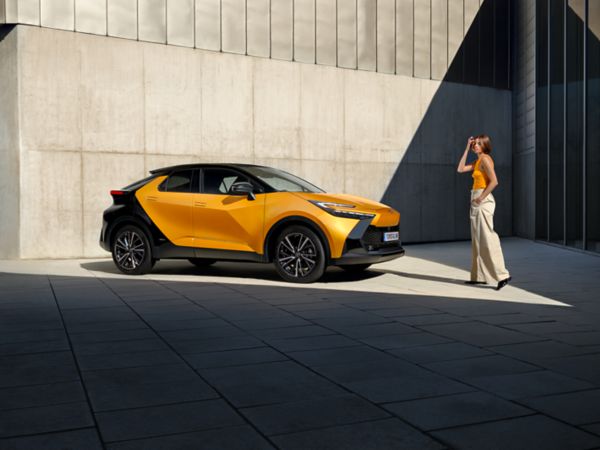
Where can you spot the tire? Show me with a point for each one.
(201, 262)
(131, 251)
(356, 268)
(299, 255)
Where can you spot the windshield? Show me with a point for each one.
(281, 181)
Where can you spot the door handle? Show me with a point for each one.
(151, 198)
(200, 204)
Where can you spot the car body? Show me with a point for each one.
(242, 212)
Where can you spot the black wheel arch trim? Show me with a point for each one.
(296, 220)
(125, 220)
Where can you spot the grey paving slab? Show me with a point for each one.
(481, 366)
(44, 419)
(577, 408)
(202, 333)
(22, 370)
(87, 439)
(530, 384)
(115, 347)
(291, 332)
(456, 410)
(164, 420)
(93, 315)
(234, 438)
(41, 395)
(185, 324)
(523, 433)
(23, 348)
(511, 318)
(310, 414)
(311, 343)
(135, 324)
(439, 352)
(379, 329)
(369, 370)
(320, 357)
(480, 334)
(234, 358)
(31, 336)
(404, 340)
(269, 383)
(548, 328)
(27, 325)
(578, 338)
(216, 344)
(270, 322)
(536, 351)
(126, 360)
(406, 387)
(375, 435)
(585, 367)
(112, 335)
(594, 428)
(432, 319)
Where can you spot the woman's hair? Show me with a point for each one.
(486, 143)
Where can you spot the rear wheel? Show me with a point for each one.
(131, 251)
(355, 268)
(201, 262)
(299, 255)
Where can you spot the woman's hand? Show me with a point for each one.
(478, 200)
(470, 142)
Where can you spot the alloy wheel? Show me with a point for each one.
(297, 255)
(130, 250)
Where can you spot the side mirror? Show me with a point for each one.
(243, 188)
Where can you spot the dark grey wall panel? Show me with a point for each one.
(346, 26)
(367, 34)
(326, 32)
(439, 38)
(90, 16)
(180, 22)
(404, 37)
(304, 31)
(282, 29)
(386, 36)
(259, 28)
(422, 39)
(152, 17)
(58, 14)
(208, 24)
(233, 17)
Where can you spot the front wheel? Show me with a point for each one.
(131, 251)
(299, 255)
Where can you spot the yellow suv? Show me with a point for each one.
(236, 212)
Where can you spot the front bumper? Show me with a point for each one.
(363, 256)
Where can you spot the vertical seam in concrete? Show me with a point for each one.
(19, 144)
(253, 106)
(344, 129)
(144, 146)
(81, 150)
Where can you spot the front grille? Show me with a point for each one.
(373, 237)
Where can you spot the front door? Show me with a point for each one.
(224, 221)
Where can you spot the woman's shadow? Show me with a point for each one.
(437, 279)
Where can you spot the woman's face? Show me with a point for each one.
(477, 146)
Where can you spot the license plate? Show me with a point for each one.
(391, 236)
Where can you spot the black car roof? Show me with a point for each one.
(164, 170)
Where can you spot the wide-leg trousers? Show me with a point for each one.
(487, 263)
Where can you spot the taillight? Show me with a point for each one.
(114, 193)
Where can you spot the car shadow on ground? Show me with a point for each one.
(418, 276)
(232, 269)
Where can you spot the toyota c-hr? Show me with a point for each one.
(236, 212)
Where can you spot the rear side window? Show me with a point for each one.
(180, 181)
(219, 181)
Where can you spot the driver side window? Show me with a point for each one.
(219, 181)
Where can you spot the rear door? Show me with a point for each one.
(168, 203)
(224, 221)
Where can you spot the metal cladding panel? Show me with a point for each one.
(234, 26)
(180, 22)
(455, 27)
(259, 28)
(326, 32)
(304, 31)
(122, 18)
(386, 36)
(153, 20)
(439, 38)
(282, 26)
(367, 34)
(29, 12)
(11, 13)
(422, 39)
(90, 16)
(58, 14)
(208, 24)
(404, 37)
(346, 25)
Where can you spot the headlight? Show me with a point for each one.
(331, 208)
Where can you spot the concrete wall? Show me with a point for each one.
(524, 117)
(9, 144)
(97, 113)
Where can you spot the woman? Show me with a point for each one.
(487, 265)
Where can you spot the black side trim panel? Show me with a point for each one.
(171, 251)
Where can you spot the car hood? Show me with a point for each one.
(362, 204)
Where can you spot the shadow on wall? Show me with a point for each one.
(433, 199)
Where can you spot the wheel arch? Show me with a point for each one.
(269, 245)
(130, 220)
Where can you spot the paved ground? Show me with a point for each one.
(404, 356)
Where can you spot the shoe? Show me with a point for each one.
(475, 282)
(503, 283)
